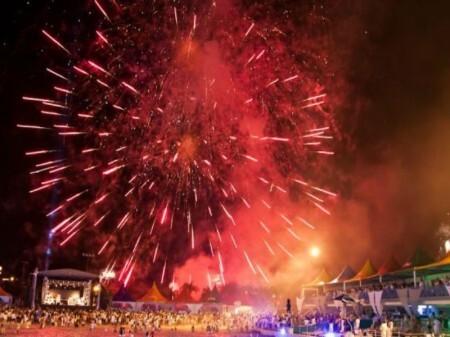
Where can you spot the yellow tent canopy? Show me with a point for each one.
(322, 278)
(153, 295)
(366, 271)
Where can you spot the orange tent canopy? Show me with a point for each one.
(153, 295)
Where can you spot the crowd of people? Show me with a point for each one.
(436, 287)
(146, 323)
(123, 322)
(384, 326)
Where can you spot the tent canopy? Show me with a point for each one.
(389, 271)
(322, 278)
(73, 274)
(420, 263)
(419, 258)
(184, 296)
(345, 298)
(3, 293)
(122, 296)
(153, 295)
(390, 265)
(211, 296)
(346, 274)
(366, 271)
(443, 265)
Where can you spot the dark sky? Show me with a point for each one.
(395, 57)
(391, 61)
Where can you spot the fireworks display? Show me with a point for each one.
(183, 129)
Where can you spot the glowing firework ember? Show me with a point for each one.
(188, 129)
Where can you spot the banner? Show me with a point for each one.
(316, 301)
(448, 290)
(299, 304)
(322, 304)
(357, 308)
(403, 297)
(379, 306)
(414, 296)
(372, 301)
(338, 304)
(194, 308)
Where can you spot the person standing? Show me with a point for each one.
(436, 327)
(384, 328)
(356, 325)
(390, 328)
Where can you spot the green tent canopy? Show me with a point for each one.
(419, 258)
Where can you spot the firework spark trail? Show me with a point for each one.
(155, 121)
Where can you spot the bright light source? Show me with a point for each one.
(283, 331)
(315, 252)
(174, 286)
(108, 274)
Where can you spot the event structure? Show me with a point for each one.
(183, 302)
(65, 288)
(418, 285)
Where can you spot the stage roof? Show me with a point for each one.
(68, 274)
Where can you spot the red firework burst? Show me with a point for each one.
(188, 129)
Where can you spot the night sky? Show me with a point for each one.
(390, 65)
